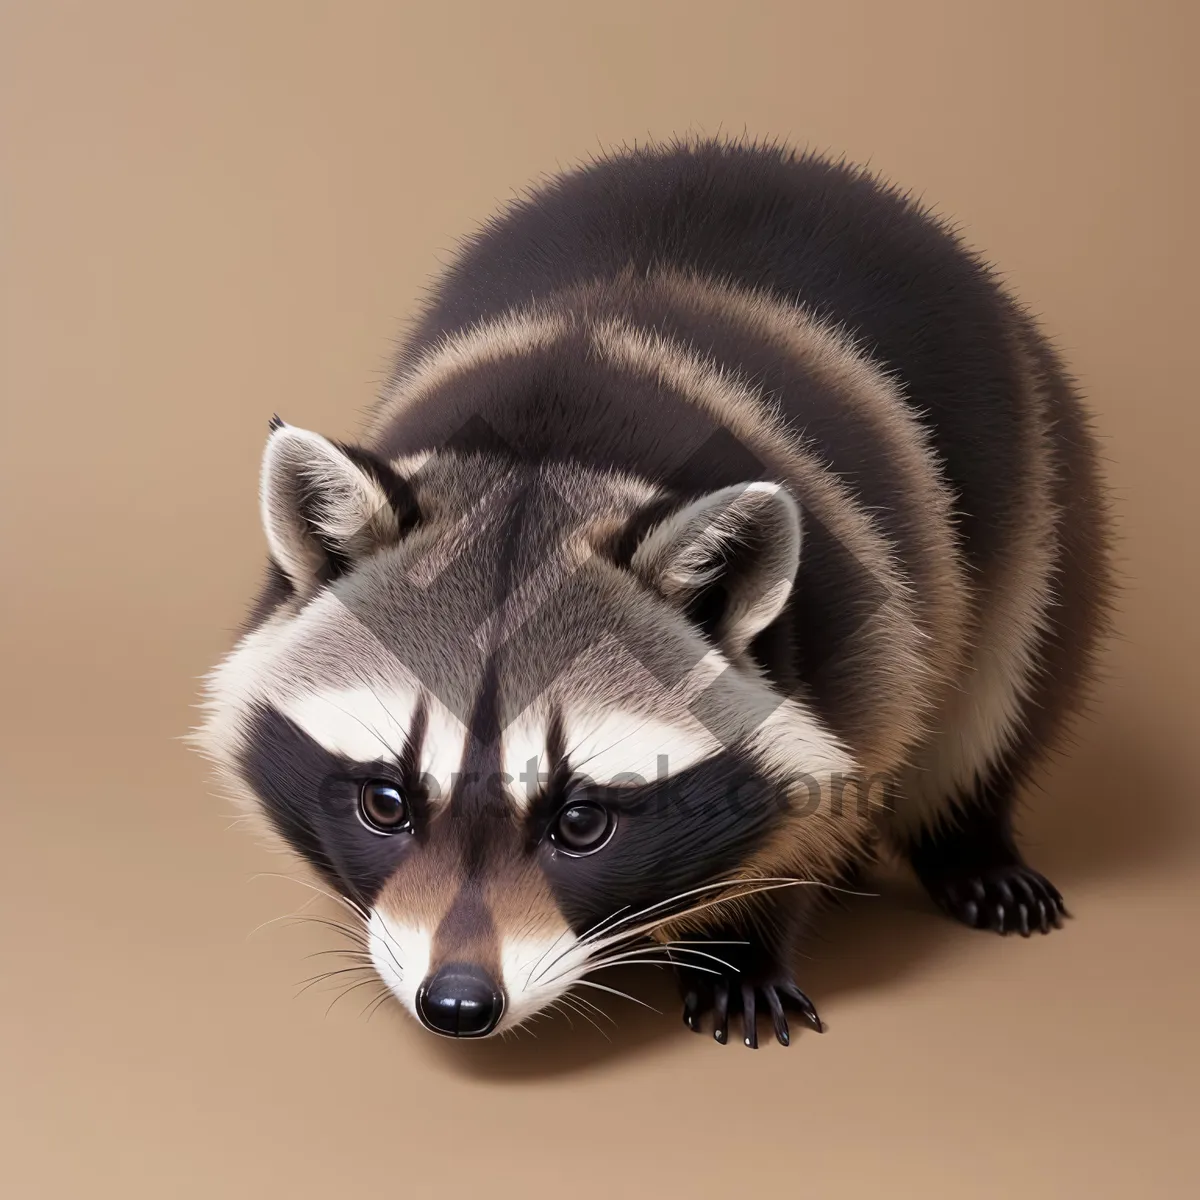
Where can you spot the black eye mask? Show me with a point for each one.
(669, 836)
(311, 798)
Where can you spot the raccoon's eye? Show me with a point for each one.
(582, 828)
(381, 807)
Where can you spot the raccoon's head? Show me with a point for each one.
(512, 713)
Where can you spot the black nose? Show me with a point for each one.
(460, 1000)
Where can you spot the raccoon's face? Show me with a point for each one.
(509, 713)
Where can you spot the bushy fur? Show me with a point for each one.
(733, 467)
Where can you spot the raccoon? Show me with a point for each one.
(723, 524)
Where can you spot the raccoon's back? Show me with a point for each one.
(851, 250)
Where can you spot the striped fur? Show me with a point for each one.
(720, 487)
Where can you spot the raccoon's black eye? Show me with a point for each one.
(582, 828)
(381, 807)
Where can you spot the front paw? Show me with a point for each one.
(1012, 898)
(730, 990)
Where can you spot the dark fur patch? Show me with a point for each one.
(276, 589)
(311, 797)
(671, 835)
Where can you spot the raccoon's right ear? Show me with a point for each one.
(728, 559)
(326, 506)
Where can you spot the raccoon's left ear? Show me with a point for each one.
(326, 506)
(728, 560)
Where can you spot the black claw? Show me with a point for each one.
(806, 1007)
(721, 1006)
(1008, 899)
(778, 1018)
(749, 1017)
(1026, 889)
(746, 987)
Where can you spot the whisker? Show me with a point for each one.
(375, 1005)
(673, 950)
(585, 940)
(588, 933)
(529, 973)
(652, 962)
(583, 1012)
(315, 979)
(579, 941)
(743, 894)
(708, 887)
(558, 1006)
(353, 987)
(357, 909)
(286, 917)
(600, 987)
(641, 912)
(616, 941)
(628, 955)
(593, 1006)
(706, 942)
(355, 935)
(360, 954)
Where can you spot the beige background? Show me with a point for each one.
(212, 211)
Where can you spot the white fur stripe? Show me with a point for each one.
(606, 746)
(536, 972)
(400, 954)
(509, 336)
(364, 724)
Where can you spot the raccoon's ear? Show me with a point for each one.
(326, 506)
(728, 560)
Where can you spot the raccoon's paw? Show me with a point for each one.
(1012, 898)
(721, 993)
